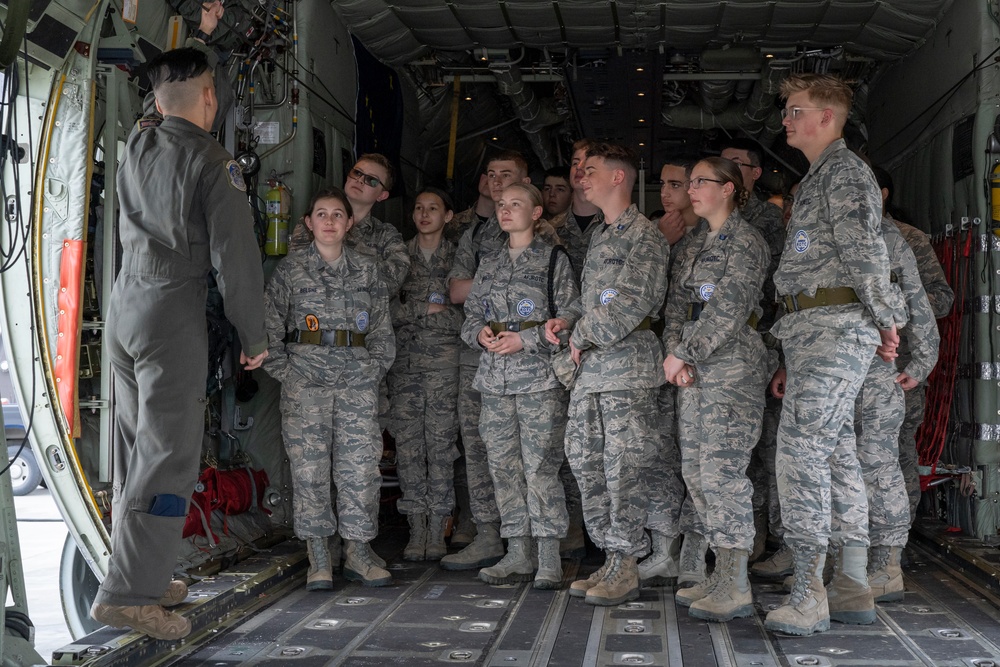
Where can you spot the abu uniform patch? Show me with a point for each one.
(235, 175)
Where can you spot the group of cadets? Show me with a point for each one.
(679, 385)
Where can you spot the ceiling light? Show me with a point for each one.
(639, 69)
(642, 143)
(495, 139)
(641, 94)
(642, 120)
(468, 98)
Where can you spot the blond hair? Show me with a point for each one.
(823, 89)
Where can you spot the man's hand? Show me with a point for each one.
(250, 363)
(778, 383)
(211, 12)
(678, 372)
(485, 337)
(554, 326)
(890, 341)
(433, 308)
(672, 226)
(906, 382)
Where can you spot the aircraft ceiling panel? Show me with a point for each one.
(402, 30)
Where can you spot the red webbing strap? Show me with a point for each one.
(68, 330)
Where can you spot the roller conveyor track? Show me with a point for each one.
(950, 618)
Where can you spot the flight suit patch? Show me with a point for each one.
(235, 175)
(607, 295)
(362, 321)
(706, 291)
(312, 322)
(525, 307)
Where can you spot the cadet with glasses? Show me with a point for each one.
(717, 360)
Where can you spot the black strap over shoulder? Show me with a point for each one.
(553, 258)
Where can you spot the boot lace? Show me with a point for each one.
(805, 569)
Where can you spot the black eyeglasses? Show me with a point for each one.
(740, 163)
(701, 180)
(367, 179)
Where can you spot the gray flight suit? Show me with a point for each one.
(613, 421)
(941, 298)
(423, 383)
(478, 241)
(719, 415)
(833, 242)
(881, 402)
(523, 419)
(329, 393)
(184, 211)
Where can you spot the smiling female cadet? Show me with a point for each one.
(331, 343)
(523, 418)
(717, 359)
(423, 381)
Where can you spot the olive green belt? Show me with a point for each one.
(825, 296)
(334, 338)
(695, 308)
(499, 327)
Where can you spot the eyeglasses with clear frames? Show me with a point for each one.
(367, 179)
(795, 112)
(696, 183)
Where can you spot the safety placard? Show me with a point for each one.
(267, 133)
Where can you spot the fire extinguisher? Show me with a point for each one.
(278, 205)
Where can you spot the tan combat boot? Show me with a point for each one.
(885, 576)
(849, 597)
(693, 570)
(515, 567)
(320, 577)
(686, 596)
(176, 593)
(360, 566)
(620, 583)
(485, 550)
(805, 610)
(418, 537)
(436, 526)
(549, 576)
(730, 597)
(663, 565)
(150, 619)
(579, 588)
(778, 566)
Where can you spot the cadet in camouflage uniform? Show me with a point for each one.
(331, 344)
(717, 359)
(578, 223)
(834, 280)
(612, 419)
(184, 213)
(523, 420)
(480, 211)
(768, 219)
(941, 298)
(424, 381)
(478, 242)
(881, 407)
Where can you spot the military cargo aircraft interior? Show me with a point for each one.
(440, 87)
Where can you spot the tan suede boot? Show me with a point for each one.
(360, 566)
(849, 597)
(693, 569)
(885, 576)
(805, 610)
(485, 550)
(150, 619)
(779, 565)
(320, 577)
(663, 565)
(418, 537)
(549, 576)
(620, 582)
(436, 548)
(730, 596)
(579, 588)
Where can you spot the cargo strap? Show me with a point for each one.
(695, 308)
(335, 338)
(499, 327)
(825, 296)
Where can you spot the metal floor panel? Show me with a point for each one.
(949, 618)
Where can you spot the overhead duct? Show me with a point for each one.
(758, 116)
(716, 94)
(534, 116)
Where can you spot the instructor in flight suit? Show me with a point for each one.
(184, 211)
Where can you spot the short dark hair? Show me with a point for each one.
(883, 179)
(752, 148)
(622, 156)
(176, 66)
(558, 172)
(681, 161)
(509, 156)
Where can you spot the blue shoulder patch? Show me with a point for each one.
(235, 175)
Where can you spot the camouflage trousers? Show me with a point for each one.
(719, 425)
(331, 437)
(664, 484)
(914, 415)
(610, 440)
(761, 471)
(524, 436)
(820, 487)
(482, 500)
(424, 422)
(571, 490)
(880, 408)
